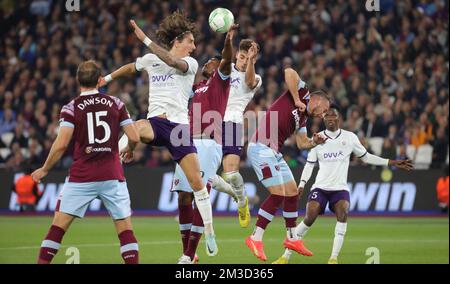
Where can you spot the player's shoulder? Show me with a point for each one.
(117, 101)
(348, 135)
(69, 106)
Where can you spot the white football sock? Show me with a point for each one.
(219, 184)
(301, 230)
(291, 235)
(204, 207)
(339, 233)
(237, 182)
(258, 234)
(287, 254)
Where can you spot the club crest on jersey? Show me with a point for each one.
(235, 82)
(277, 167)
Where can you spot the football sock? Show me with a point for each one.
(290, 215)
(203, 203)
(185, 222)
(50, 245)
(129, 248)
(266, 214)
(195, 235)
(237, 182)
(339, 233)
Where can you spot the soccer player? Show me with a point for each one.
(331, 181)
(171, 76)
(286, 116)
(206, 115)
(93, 121)
(244, 84)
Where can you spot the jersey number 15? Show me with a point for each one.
(98, 122)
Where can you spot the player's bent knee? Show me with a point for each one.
(145, 130)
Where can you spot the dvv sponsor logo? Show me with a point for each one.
(333, 155)
(162, 78)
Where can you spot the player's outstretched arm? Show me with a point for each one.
(58, 148)
(378, 161)
(250, 72)
(292, 80)
(227, 52)
(162, 53)
(305, 143)
(125, 70)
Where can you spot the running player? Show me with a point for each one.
(171, 76)
(93, 120)
(286, 116)
(331, 181)
(244, 84)
(206, 116)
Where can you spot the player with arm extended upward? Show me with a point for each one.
(171, 76)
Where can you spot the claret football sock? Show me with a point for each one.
(185, 221)
(50, 245)
(290, 215)
(266, 214)
(129, 248)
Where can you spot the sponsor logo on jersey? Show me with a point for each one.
(333, 155)
(162, 78)
(90, 150)
(296, 118)
(235, 82)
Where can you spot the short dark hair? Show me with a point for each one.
(321, 93)
(88, 74)
(217, 57)
(175, 27)
(245, 44)
(336, 107)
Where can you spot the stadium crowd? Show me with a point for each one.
(387, 70)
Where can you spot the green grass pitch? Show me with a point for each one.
(399, 240)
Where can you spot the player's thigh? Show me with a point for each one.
(231, 163)
(123, 225)
(210, 157)
(265, 163)
(62, 220)
(191, 168)
(341, 209)
(116, 199)
(287, 189)
(75, 198)
(145, 130)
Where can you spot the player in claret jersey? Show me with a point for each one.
(206, 112)
(171, 74)
(331, 182)
(93, 121)
(286, 116)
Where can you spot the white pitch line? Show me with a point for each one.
(156, 243)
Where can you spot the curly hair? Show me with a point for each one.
(175, 27)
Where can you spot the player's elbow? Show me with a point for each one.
(133, 137)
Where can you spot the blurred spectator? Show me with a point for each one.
(28, 193)
(388, 71)
(442, 191)
(389, 149)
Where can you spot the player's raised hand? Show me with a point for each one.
(252, 52)
(319, 139)
(137, 31)
(102, 82)
(232, 30)
(402, 164)
(301, 106)
(39, 174)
